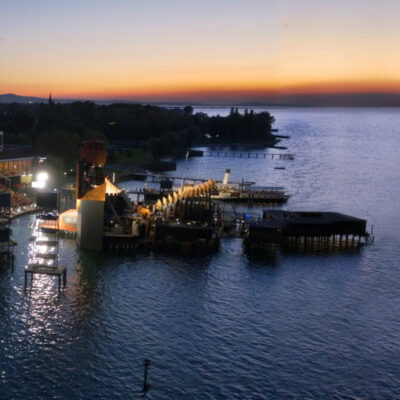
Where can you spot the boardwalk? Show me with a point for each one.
(229, 154)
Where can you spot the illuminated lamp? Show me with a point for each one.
(42, 176)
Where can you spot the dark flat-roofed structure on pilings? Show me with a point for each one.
(307, 229)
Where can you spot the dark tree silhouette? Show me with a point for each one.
(58, 129)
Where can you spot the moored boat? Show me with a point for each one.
(247, 192)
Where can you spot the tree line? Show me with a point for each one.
(57, 130)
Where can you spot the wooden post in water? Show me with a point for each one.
(146, 386)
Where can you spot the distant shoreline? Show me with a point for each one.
(352, 100)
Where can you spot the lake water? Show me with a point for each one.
(229, 325)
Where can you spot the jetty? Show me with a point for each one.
(44, 243)
(247, 154)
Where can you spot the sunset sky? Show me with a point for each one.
(167, 50)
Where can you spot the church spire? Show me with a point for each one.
(50, 99)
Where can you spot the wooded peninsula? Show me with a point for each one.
(57, 130)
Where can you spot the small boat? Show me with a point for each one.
(245, 192)
(257, 194)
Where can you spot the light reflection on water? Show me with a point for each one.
(232, 324)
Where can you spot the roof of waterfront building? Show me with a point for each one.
(16, 151)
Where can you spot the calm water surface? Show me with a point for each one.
(229, 325)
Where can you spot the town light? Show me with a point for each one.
(42, 176)
(41, 179)
(38, 184)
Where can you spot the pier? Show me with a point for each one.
(157, 178)
(247, 154)
(44, 270)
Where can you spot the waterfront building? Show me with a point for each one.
(16, 164)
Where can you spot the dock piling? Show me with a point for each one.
(146, 386)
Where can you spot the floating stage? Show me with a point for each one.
(313, 230)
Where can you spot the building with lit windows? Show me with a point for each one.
(16, 164)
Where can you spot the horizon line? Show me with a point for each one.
(355, 99)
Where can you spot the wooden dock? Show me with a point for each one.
(157, 178)
(41, 269)
(229, 154)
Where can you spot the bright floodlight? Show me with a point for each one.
(38, 184)
(42, 176)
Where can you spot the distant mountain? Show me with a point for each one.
(13, 98)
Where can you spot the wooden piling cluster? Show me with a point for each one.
(309, 243)
(121, 242)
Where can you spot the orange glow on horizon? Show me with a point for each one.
(210, 91)
(170, 50)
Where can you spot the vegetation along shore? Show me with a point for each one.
(135, 133)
